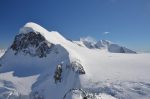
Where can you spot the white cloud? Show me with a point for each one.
(106, 33)
(88, 38)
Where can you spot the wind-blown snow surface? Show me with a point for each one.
(107, 75)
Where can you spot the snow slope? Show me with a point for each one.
(2, 51)
(91, 73)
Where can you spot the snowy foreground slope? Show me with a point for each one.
(100, 71)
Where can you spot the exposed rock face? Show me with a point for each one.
(76, 67)
(32, 43)
(58, 73)
(81, 94)
(114, 48)
(104, 44)
(89, 45)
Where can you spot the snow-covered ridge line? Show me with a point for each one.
(30, 27)
(101, 44)
(47, 65)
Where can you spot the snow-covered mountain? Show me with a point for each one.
(43, 65)
(104, 44)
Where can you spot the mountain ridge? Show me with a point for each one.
(67, 69)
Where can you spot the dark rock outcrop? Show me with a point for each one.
(76, 67)
(32, 43)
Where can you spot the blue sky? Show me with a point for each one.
(126, 22)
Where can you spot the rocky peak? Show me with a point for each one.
(32, 43)
(103, 44)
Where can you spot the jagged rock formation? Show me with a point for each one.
(76, 67)
(58, 73)
(82, 94)
(104, 44)
(32, 43)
